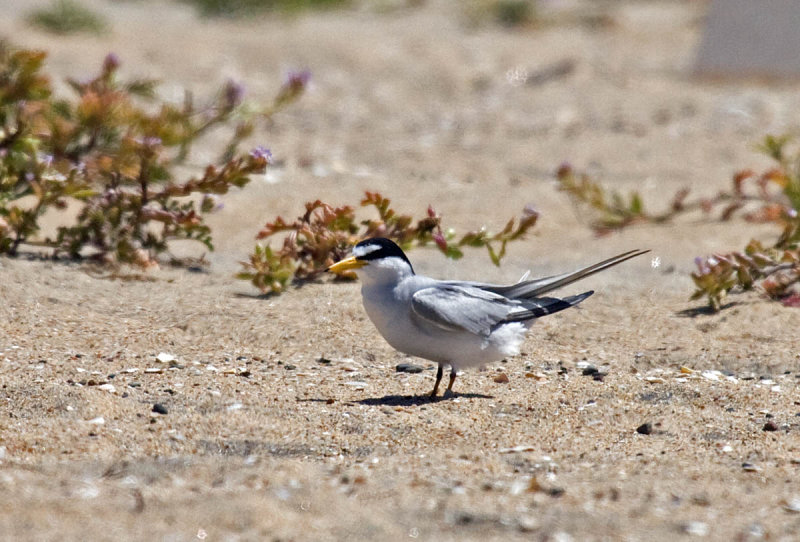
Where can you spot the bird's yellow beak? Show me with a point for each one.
(348, 264)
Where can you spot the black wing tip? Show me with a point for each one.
(555, 305)
(575, 299)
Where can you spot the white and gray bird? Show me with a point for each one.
(456, 323)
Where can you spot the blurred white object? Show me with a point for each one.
(747, 39)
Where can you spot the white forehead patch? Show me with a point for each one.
(360, 251)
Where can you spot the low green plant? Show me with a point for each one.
(113, 150)
(325, 234)
(769, 197)
(68, 17)
(242, 8)
(507, 13)
(512, 13)
(30, 181)
(611, 211)
(774, 270)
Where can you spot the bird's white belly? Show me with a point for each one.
(392, 315)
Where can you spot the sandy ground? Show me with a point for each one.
(285, 418)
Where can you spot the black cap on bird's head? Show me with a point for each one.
(377, 248)
(370, 250)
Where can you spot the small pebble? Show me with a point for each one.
(163, 357)
(464, 518)
(501, 378)
(407, 368)
(792, 505)
(645, 429)
(770, 426)
(527, 524)
(695, 528)
(515, 449)
(158, 408)
(749, 467)
(357, 384)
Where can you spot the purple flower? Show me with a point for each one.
(234, 93)
(298, 80)
(111, 62)
(702, 266)
(293, 87)
(261, 153)
(529, 211)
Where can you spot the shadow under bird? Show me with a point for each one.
(456, 323)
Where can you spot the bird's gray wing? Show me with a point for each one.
(462, 308)
(533, 288)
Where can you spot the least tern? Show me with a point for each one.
(456, 323)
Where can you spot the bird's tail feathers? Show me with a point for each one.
(534, 288)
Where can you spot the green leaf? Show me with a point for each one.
(636, 207)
